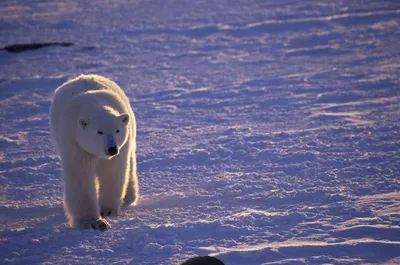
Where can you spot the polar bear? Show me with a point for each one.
(93, 129)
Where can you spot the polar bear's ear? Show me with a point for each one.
(124, 118)
(83, 123)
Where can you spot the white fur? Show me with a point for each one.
(84, 118)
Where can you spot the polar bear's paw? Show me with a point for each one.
(131, 196)
(100, 224)
(130, 199)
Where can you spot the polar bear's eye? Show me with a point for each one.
(117, 131)
(100, 132)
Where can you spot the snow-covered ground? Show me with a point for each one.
(268, 131)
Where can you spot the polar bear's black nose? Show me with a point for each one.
(112, 150)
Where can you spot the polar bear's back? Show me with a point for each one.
(85, 83)
(78, 86)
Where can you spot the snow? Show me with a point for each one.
(268, 131)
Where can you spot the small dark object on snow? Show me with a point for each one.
(34, 46)
(88, 48)
(206, 260)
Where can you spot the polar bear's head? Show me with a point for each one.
(103, 135)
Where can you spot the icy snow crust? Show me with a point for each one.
(268, 131)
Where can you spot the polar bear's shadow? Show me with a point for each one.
(40, 231)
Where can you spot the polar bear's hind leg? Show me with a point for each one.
(132, 188)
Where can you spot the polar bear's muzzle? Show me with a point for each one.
(111, 148)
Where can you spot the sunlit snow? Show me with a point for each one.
(268, 131)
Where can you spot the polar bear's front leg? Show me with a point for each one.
(80, 200)
(112, 179)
